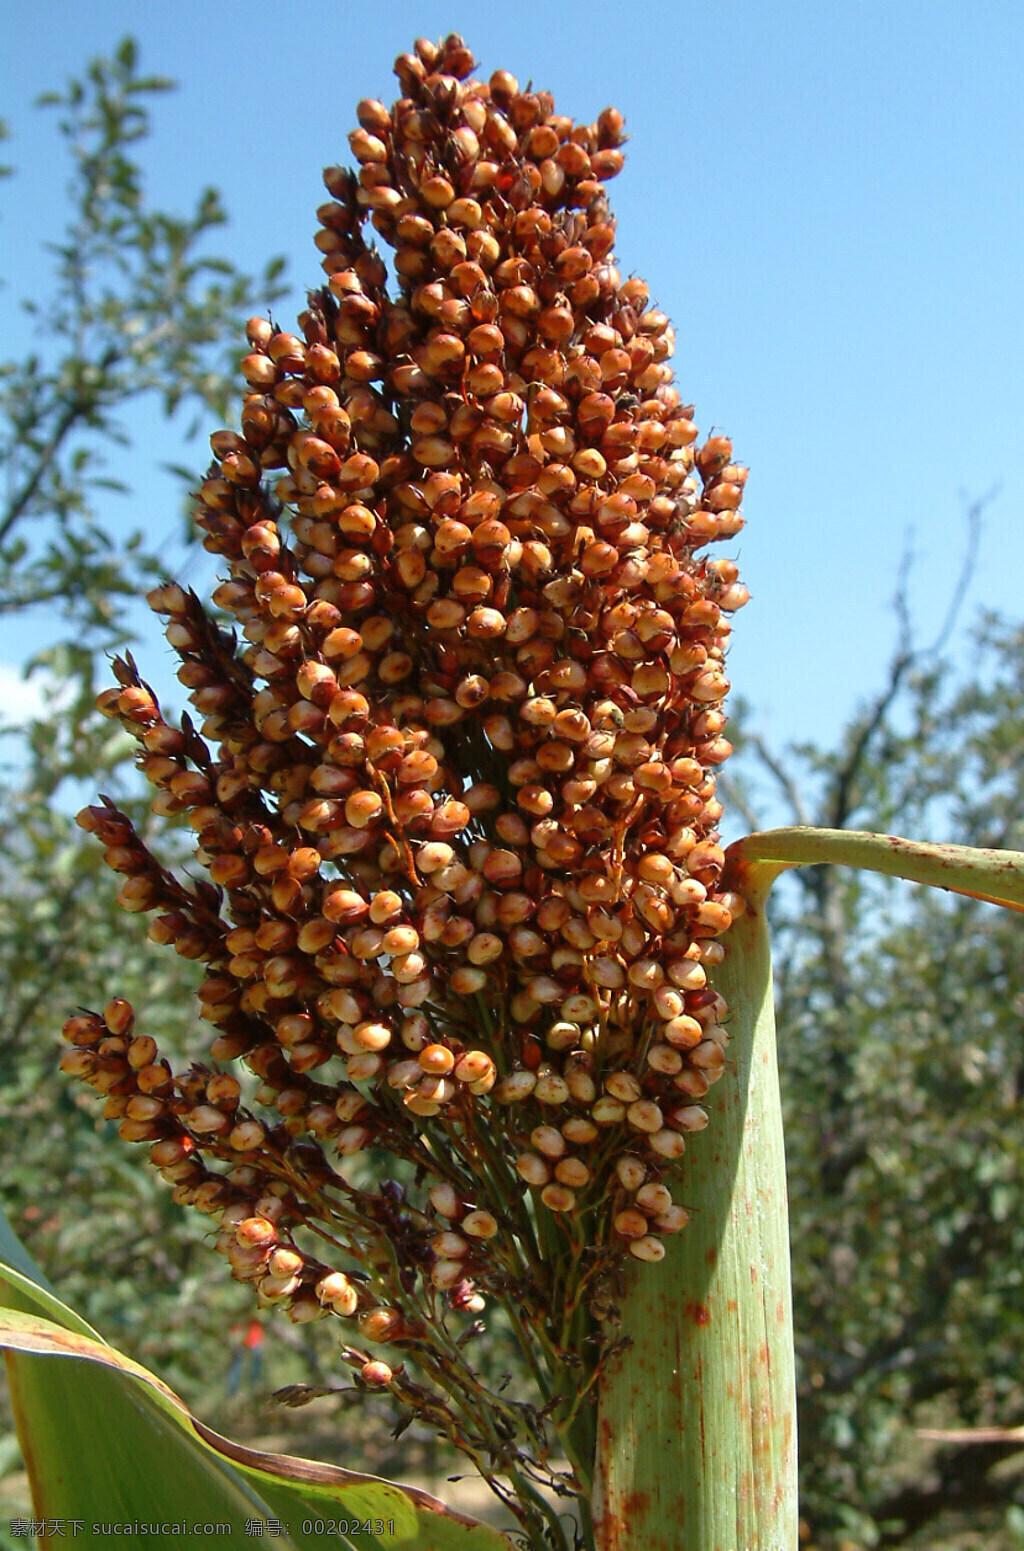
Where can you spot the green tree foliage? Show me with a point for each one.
(901, 1016)
(135, 306)
(132, 304)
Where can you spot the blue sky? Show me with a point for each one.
(826, 199)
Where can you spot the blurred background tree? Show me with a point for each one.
(901, 1014)
(901, 1017)
(132, 306)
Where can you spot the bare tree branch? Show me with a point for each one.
(788, 786)
(905, 657)
(735, 800)
(974, 512)
(74, 410)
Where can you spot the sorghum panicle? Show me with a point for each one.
(455, 788)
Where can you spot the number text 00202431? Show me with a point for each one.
(348, 1526)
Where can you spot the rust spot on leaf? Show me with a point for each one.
(711, 1255)
(699, 1313)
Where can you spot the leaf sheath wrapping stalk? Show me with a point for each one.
(697, 1425)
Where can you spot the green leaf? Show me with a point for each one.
(753, 864)
(105, 1441)
(13, 1253)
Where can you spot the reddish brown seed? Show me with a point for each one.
(256, 1232)
(475, 1066)
(630, 1224)
(380, 1324)
(479, 1225)
(207, 1120)
(558, 1198)
(337, 1291)
(119, 1016)
(377, 1375)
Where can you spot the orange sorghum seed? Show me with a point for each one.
(376, 1375)
(630, 1224)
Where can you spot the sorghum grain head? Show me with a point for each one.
(453, 777)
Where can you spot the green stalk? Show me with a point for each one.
(697, 1421)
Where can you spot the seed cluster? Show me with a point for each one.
(455, 789)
